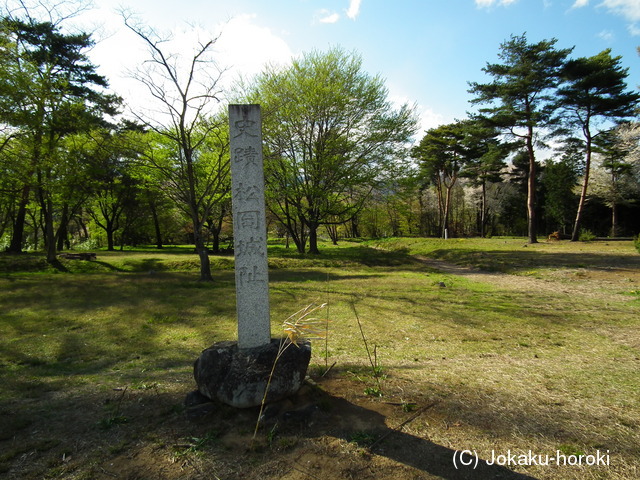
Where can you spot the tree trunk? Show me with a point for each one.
(215, 247)
(83, 227)
(575, 235)
(585, 184)
(50, 238)
(423, 212)
(201, 250)
(18, 225)
(313, 239)
(440, 204)
(297, 230)
(300, 246)
(614, 219)
(38, 226)
(299, 238)
(483, 210)
(355, 227)
(156, 223)
(110, 244)
(332, 230)
(531, 192)
(62, 234)
(216, 230)
(445, 212)
(46, 207)
(205, 265)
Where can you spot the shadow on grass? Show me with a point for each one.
(140, 412)
(343, 255)
(184, 259)
(103, 430)
(23, 262)
(410, 450)
(108, 266)
(514, 261)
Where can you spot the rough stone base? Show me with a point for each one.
(238, 377)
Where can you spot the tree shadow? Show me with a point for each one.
(512, 261)
(57, 265)
(331, 416)
(108, 266)
(417, 452)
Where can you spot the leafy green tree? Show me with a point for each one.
(558, 181)
(616, 177)
(107, 156)
(449, 152)
(392, 208)
(513, 198)
(521, 101)
(442, 156)
(11, 179)
(485, 166)
(593, 96)
(330, 132)
(52, 91)
(199, 194)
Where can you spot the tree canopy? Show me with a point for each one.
(330, 133)
(521, 99)
(78, 169)
(594, 96)
(50, 90)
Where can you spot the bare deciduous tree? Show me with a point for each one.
(185, 92)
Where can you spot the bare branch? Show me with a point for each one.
(197, 174)
(55, 13)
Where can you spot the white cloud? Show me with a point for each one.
(606, 35)
(580, 3)
(242, 50)
(326, 16)
(491, 3)
(630, 9)
(429, 119)
(245, 47)
(354, 9)
(634, 30)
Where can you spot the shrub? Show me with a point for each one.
(586, 236)
(88, 244)
(636, 242)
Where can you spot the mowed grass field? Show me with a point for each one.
(508, 347)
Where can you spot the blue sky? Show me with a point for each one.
(427, 50)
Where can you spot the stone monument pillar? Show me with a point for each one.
(249, 229)
(239, 373)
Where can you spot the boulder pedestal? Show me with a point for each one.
(238, 377)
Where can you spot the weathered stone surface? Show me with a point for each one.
(238, 377)
(249, 226)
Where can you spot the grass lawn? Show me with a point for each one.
(486, 345)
